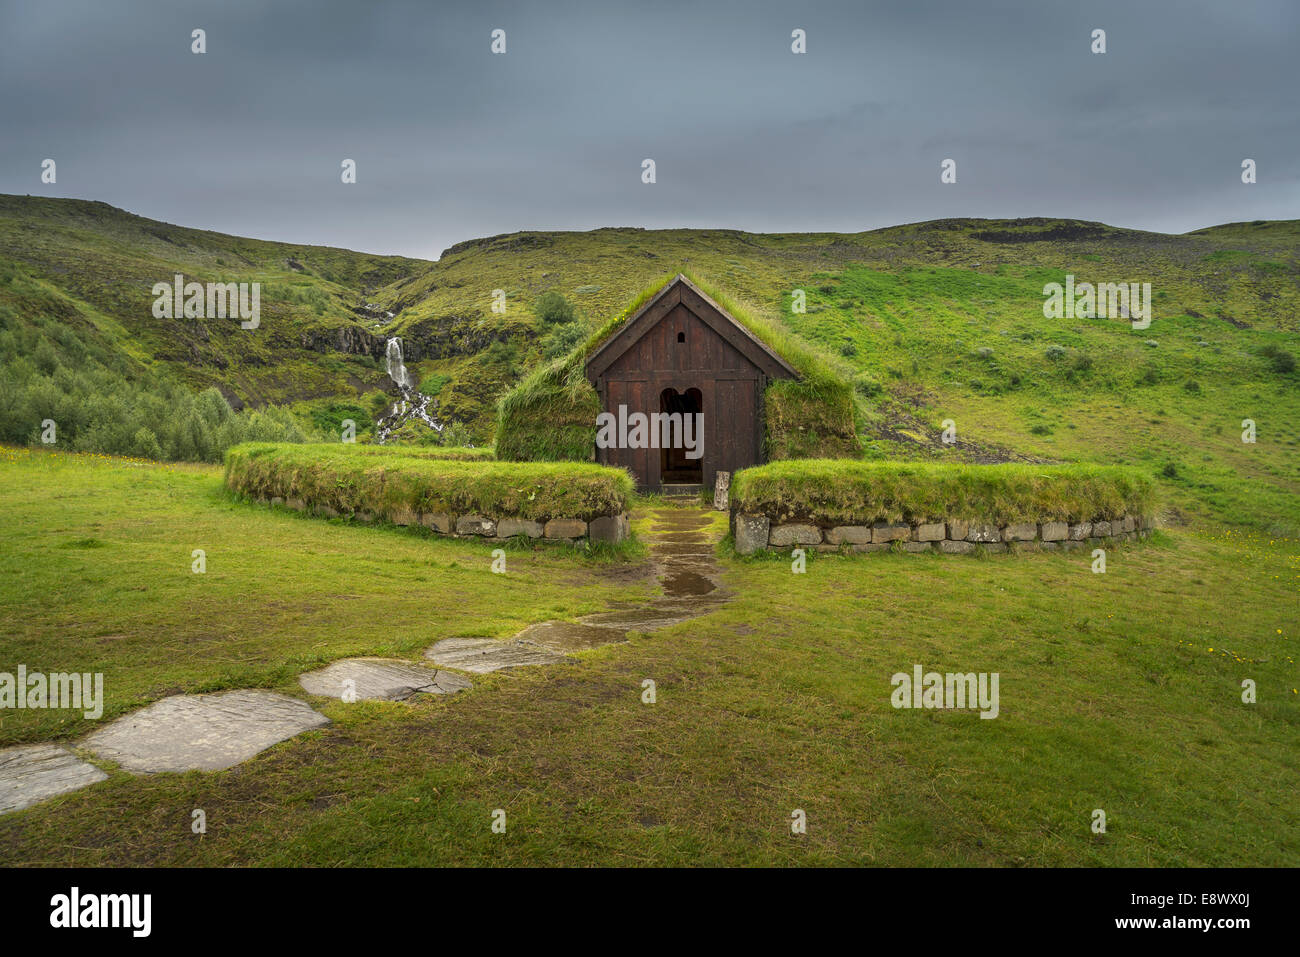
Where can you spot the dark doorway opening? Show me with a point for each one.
(675, 467)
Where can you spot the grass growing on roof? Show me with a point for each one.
(552, 413)
(857, 492)
(387, 485)
(450, 453)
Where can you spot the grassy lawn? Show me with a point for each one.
(96, 576)
(1119, 691)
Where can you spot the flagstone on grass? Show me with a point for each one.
(562, 637)
(35, 772)
(202, 732)
(385, 679)
(484, 655)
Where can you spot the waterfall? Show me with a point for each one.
(396, 370)
(412, 404)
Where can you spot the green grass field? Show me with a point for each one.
(1119, 692)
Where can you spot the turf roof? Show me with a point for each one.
(551, 413)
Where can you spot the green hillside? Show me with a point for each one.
(937, 321)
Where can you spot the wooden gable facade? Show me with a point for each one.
(682, 353)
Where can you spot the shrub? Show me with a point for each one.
(455, 435)
(1054, 353)
(864, 492)
(1281, 361)
(866, 385)
(553, 309)
(384, 482)
(432, 384)
(562, 340)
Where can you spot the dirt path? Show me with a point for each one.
(681, 550)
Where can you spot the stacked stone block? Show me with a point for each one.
(754, 533)
(602, 528)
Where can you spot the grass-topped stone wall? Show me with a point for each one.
(449, 453)
(917, 507)
(551, 414)
(490, 499)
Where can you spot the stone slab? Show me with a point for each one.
(983, 533)
(608, 528)
(950, 547)
(484, 655)
(566, 528)
(510, 527)
(202, 732)
(32, 773)
(1020, 532)
(562, 637)
(933, 532)
(475, 525)
(382, 679)
(721, 491)
(851, 534)
(883, 533)
(794, 534)
(751, 533)
(438, 521)
(1053, 531)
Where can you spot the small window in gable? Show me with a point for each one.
(681, 337)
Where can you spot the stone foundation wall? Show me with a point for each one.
(754, 533)
(602, 528)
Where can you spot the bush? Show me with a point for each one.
(432, 384)
(553, 309)
(866, 385)
(385, 482)
(562, 340)
(455, 434)
(846, 492)
(1281, 361)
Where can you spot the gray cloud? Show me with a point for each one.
(452, 142)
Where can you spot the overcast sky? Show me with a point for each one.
(453, 142)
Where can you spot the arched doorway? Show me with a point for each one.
(675, 467)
